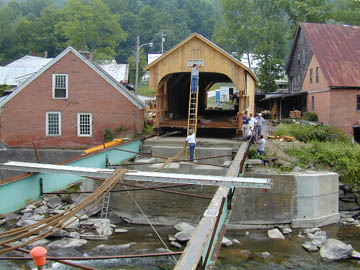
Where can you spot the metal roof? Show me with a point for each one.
(18, 71)
(337, 49)
(120, 72)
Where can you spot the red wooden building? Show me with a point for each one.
(324, 63)
(69, 103)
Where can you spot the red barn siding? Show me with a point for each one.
(24, 117)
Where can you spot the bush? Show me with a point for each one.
(341, 158)
(310, 116)
(307, 133)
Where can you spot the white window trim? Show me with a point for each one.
(47, 124)
(78, 125)
(53, 86)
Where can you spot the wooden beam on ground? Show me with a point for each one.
(206, 180)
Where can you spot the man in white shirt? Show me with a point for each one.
(252, 122)
(192, 143)
(259, 122)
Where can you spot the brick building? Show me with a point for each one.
(324, 63)
(68, 103)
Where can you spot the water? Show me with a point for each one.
(285, 254)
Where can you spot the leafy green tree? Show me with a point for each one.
(89, 25)
(315, 11)
(347, 12)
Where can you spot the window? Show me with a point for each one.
(298, 59)
(358, 102)
(311, 75)
(303, 54)
(317, 74)
(312, 103)
(60, 86)
(53, 124)
(84, 125)
(199, 62)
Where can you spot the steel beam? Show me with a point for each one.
(205, 180)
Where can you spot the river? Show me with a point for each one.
(285, 254)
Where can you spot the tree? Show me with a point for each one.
(236, 33)
(89, 25)
(347, 12)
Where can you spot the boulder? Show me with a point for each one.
(41, 210)
(244, 254)
(313, 230)
(334, 249)
(72, 223)
(54, 201)
(183, 236)
(183, 226)
(226, 242)
(118, 230)
(2, 221)
(355, 254)
(112, 249)
(235, 241)
(176, 245)
(286, 230)
(265, 255)
(275, 234)
(310, 247)
(67, 243)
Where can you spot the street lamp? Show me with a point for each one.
(138, 47)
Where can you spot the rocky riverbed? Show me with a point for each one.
(331, 247)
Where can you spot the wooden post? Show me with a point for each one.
(36, 153)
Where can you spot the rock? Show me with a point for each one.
(235, 241)
(226, 242)
(171, 238)
(350, 221)
(72, 223)
(348, 206)
(355, 254)
(67, 199)
(67, 243)
(334, 249)
(265, 255)
(41, 242)
(312, 230)
(90, 236)
(310, 247)
(41, 210)
(61, 233)
(182, 226)
(56, 211)
(54, 201)
(121, 230)
(286, 230)
(112, 249)
(244, 254)
(176, 245)
(2, 221)
(183, 237)
(75, 235)
(247, 233)
(275, 234)
(346, 188)
(297, 169)
(103, 226)
(25, 222)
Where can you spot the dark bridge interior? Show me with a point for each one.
(178, 85)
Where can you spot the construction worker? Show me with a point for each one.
(194, 78)
(191, 141)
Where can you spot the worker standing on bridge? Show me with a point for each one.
(191, 141)
(194, 78)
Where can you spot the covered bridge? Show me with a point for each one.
(170, 75)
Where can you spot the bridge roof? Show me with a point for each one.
(208, 42)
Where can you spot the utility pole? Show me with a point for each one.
(138, 47)
(162, 42)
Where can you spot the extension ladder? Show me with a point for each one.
(105, 205)
(193, 112)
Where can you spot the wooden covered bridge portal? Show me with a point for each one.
(170, 75)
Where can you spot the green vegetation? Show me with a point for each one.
(328, 148)
(310, 116)
(145, 91)
(308, 133)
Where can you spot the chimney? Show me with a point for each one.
(86, 54)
